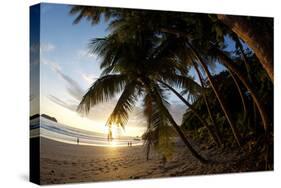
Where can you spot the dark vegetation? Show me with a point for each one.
(151, 53)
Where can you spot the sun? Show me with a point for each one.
(113, 143)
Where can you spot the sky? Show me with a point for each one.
(67, 70)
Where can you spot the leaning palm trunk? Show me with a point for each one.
(240, 93)
(221, 100)
(216, 131)
(243, 55)
(260, 106)
(203, 122)
(260, 43)
(159, 102)
(214, 87)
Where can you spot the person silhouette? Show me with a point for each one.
(77, 140)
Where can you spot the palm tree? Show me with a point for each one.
(126, 68)
(221, 100)
(260, 42)
(126, 23)
(230, 65)
(228, 62)
(187, 32)
(216, 131)
(194, 54)
(240, 93)
(196, 57)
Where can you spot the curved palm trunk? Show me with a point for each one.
(240, 93)
(260, 106)
(202, 121)
(260, 43)
(243, 56)
(221, 100)
(159, 102)
(247, 68)
(216, 131)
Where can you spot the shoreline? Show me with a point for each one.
(82, 143)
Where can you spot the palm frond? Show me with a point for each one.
(159, 131)
(125, 104)
(92, 14)
(183, 82)
(102, 90)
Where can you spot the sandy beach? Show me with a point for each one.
(68, 163)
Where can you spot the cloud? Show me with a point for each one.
(72, 87)
(88, 78)
(46, 47)
(100, 112)
(70, 106)
(54, 66)
(87, 54)
(37, 49)
(34, 54)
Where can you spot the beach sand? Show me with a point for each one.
(68, 163)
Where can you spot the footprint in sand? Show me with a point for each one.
(52, 172)
(101, 169)
(155, 168)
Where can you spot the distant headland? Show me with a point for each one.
(45, 116)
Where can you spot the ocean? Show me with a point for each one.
(43, 127)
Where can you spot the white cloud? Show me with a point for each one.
(88, 78)
(52, 64)
(73, 88)
(46, 47)
(87, 54)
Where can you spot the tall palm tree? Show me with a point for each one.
(240, 93)
(196, 56)
(228, 62)
(126, 68)
(230, 65)
(216, 131)
(179, 25)
(128, 22)
(220, 98)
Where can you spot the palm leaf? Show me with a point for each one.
(92, 14)
(102, 90)
(125, 104)
(183, 82)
